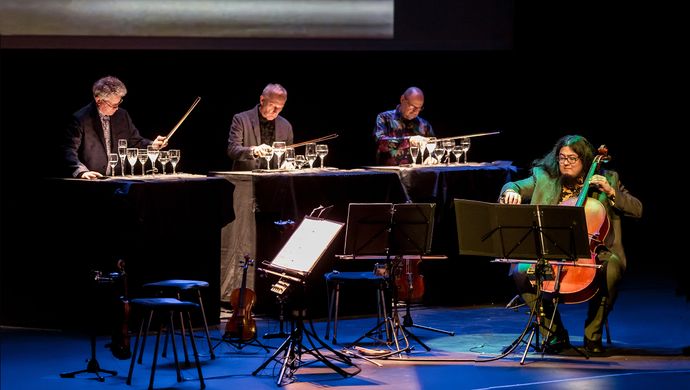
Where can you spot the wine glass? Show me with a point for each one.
(430, 146)
(414, 152)
(132, 158)
(122, 152)
(300, 161)
(448, 145)
(268, 157)
(322, 151)
(113, 158)
(310, 153)
(439, 152)
(290, 158)
(465, 146)
(174, 155)
(152, 152)
(457, 151)
(278, 150)
(142, 156)
(163, 157)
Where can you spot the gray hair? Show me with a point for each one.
(109, 86)
(274, 89)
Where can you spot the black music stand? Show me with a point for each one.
(541, 235)
(292, 265)
(402, 231)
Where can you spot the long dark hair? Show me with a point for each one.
(577, 143)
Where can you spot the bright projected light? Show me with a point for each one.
(205, 18)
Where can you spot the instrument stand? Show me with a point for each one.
(559, 234)
(407, 318)
(289, 354)
(92, 366)
(281, 317)
(240, 343)
(536, 322)
(405, 230)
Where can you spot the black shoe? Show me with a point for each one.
(593, 347)
(557, 343)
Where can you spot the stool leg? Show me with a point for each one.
(196, 353)
(184, 342)
(143, 341)
(203, 316)
(171, 330)
(335, 314)
(134, 352)
(330, 296)
(155, 354)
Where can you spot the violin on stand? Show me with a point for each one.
(119, 345)
(240, 330)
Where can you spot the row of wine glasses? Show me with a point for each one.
(446, 148)
(132, 155)
(312, 150)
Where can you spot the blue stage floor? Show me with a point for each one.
(650, 327)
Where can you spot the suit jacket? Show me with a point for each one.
(83, 147)
(245, 132)
(540, 188)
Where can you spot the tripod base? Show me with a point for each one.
(290, 352)
(91, 367)
(408, 323)
(240, 343)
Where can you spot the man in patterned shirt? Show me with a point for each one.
(397, 130)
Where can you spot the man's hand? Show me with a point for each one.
(261, 150)
(91, 175)
(417, 140)
(160, 142)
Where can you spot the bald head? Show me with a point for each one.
(411, 103)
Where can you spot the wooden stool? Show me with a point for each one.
(162, 308)
(333, 282)
(175, 288)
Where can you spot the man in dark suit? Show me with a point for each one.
(253, 131)
(95, 129)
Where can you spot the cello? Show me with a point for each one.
(577, 282)
(241, 326)
(409, 281)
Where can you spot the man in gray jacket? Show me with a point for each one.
(253, 131)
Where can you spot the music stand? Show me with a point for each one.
(402, 231)
(292, 265)
(558, 234)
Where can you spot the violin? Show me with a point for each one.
(409, 281)
(241, 325)
(119, 345)
(577, 282)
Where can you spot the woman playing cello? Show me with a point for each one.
(561, 175)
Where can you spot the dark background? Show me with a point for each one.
(533, 71)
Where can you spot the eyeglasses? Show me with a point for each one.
(570, 159)
(111, 105)
(414, 108)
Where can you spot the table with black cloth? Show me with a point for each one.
(163, 227)
(263, 198)
(441, 184)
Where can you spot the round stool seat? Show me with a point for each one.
(337, 276)
(164, 303)
(181, 284)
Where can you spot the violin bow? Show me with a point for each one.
(196, 101)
